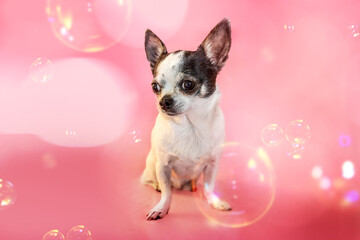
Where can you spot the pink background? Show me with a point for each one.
(273, 75)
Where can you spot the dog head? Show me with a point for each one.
(182, 78)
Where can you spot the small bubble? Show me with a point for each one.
(41, 70)
(79, 232)
(289, 27)
(295, 151)
(354, 31)
(53, 235)
(7, 194)
(272, 135)
(135, 136)
(298, 132)
(70, 133)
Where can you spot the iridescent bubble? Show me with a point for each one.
(70, 133)
(7, 194)
(79, 232)
(298, 132)
(272, 135)
(89, 25)
(245, 181)
(53, 235)
(295, 151)
(41, 70)
(354, 31)
(135, 136)
(289, 27)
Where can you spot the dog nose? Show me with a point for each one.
(166, 103)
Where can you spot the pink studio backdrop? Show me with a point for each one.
(75, 130)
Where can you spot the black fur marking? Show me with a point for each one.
(197, 65)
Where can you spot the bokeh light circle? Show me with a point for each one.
(53, 235)
(298, 131)
(335, 191)
(163, 17)
(41, 70)
(272, 135)
(79, 232)
(81, 108)
(7, 194)
(89, 25)
(246, 181)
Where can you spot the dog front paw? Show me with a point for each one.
(157, 212)
(221, 205)
(218, 204)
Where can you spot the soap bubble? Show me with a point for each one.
(41, 70)
(53, 235)
(89, 25)
(135, 136)
(79, 232)
(354, 31)
(298, 132)
(70, 133)
(245, 181)
(7, 194)
(289, 27)
(272, 135)
(295, 151)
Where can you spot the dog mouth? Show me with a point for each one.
(172, 114)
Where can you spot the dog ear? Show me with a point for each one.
(154, 48)
(217, 44)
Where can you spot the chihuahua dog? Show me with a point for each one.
(189, 130)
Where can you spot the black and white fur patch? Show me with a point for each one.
(201, 67)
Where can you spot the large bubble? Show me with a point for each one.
(89, 25)
(246, 181)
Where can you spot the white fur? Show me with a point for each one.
(182, 148)
(189, 144)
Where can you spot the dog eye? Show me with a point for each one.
(188, 85)
(156, 87)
